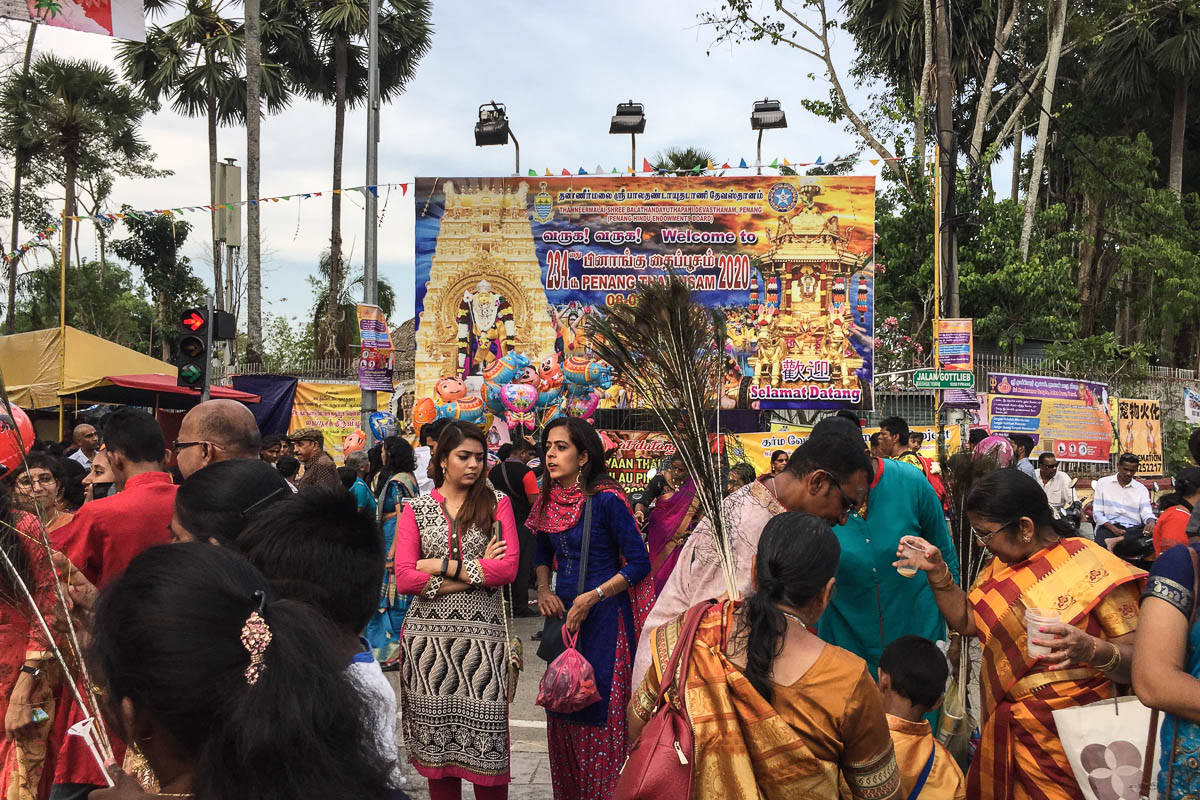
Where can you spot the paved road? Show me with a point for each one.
(527, 731)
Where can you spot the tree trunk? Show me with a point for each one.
(1014, 191)
(1088, 280)
(161, 318)
(71, 161)
(1039, 150)
(1004, 28)
(10, 326)
(1175, 184)
(948, 251)
(211, 103)
(921, 95)
(253, 148)
(328, 335)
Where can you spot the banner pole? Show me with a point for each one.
(62, 325)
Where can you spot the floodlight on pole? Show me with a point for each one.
(630, 118)
(766, 114)
(492, 128)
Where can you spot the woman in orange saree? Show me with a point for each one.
(776, 712)
(1038, 564)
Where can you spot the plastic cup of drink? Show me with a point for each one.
(909, 552)
(1036, 618)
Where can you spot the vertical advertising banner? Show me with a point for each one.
(375, 357)
(1139, 431)
(1066, 416)
(956, 344)
(508, 271)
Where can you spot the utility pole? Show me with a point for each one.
(371, 249)
(253, 154)
(947, 265)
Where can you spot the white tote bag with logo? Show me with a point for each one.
(1106, 743)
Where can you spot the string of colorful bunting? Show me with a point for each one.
(42, 235)
(777, 164)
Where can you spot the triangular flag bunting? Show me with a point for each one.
(566, 171)
(818, 162)
(549, 174)
(742, 164)
(726, 166)
(403, 189)
(582, 171)
(711, 165)
(253, 202)
(646, 166)
(532, 174)
(785, 163)
(614, 172)
(873, 161)
(599, 170)
(774, 164)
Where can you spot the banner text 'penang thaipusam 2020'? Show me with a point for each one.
(508, 270)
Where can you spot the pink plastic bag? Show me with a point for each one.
(569, 684)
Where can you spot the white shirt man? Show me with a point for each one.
(1120, 502)
(88, 442)
(1058, 485)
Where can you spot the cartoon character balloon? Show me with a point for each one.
(424, 411)
(353, 442)
(16, 437)
(449, 388)
(383, 424)
(550, 375)
(998, 448)
(520, 403)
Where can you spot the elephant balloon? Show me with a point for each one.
(468, 409)
(549, 397)
(491, 398)
(580, 371)
(505, 368)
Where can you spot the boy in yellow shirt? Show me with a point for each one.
(912, 677)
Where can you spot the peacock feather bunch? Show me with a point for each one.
(669, 351)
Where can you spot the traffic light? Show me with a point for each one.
(195, 346)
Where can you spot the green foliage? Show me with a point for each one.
(346, 336)
(1100, 357)
(1175, 446)
(683, 159)
(288, 344)
(115, 309)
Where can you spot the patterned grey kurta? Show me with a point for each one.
(454, 669)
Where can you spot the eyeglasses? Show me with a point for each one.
(27, 482)
(984, 538)
(178, 445)
(848, 504)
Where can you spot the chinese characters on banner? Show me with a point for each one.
(1139, 431)
(512, 268)
(956, 344)
(375, 358)
(123, 19)
(1065, 416)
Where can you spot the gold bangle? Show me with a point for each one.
(1113, 662)
(942, 583)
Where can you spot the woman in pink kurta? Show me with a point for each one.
(455, 550)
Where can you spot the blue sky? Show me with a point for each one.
(560, 67)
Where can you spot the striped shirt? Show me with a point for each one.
(1121, 505)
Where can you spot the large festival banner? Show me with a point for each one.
(333, 408)
(758, 447)
(1139, 431)
(636, 453)
(375, 356)
(1064, 415)
(509, 269)
(124, 19)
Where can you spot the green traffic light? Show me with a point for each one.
(191, 373)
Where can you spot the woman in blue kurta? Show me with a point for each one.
(587, 748)
(383, 631)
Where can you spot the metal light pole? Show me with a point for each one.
(371, 249)
(630, 118)
(766, 114)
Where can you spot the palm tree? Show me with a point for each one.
(339, 76)
(84, 115)
(683, 159)
(344, 312)
(23, 153)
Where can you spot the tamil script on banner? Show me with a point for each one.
(333, 408)
(123, 19)
(758, 447)
(512, 268)
(1065, 416)
(375, 360)
(956, 344)
(1139, 431)
(1191, 405)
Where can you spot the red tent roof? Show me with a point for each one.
(166, 384)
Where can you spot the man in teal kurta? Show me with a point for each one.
(873, 604)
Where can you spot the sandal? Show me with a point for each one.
(537, 637)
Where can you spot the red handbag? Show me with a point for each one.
(660, 764)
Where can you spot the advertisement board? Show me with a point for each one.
(1067, 416)
(758, 447)
(956, 344)
(636, 453)
(333, 408)
(508, 270)
(1139, 431)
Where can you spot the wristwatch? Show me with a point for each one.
(600, 593)
(34, 672)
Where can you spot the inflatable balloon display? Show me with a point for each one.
(383, 424)
(999, 448)
(423, 412)
(468, 409)
(16, 437)
(354, 441)
(491, 398)
(449, 388)
(505, 368)
(580, 371)
(520, 403)
(550, 374)
(582, 407)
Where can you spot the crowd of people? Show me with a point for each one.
(239, 599)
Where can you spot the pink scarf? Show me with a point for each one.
(562, 510)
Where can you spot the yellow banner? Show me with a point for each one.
(1139, 431)
(758, 447)
(333, 408)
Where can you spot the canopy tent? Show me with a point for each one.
(155, 390)
(32, 365)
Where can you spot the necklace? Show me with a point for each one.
(793, 617)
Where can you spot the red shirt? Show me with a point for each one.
(103, 538)
(1171, 529)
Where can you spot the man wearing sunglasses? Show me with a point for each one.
(874, 604)
(218, 430)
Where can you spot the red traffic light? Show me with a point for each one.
(193, 320)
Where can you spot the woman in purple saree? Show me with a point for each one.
(671, 521)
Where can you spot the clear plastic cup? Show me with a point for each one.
(1036, 618)
(907, 551)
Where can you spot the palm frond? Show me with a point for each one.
(667, 348)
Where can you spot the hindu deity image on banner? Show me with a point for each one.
(509, 269)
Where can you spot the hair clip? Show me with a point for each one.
(256, 637)
(250, 509)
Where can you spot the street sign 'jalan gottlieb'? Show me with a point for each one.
(943, 379)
